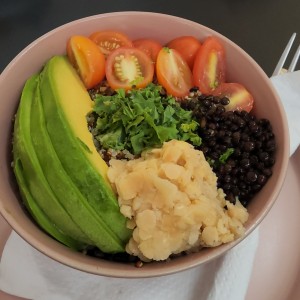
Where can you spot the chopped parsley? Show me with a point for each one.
(141, 119)
(223, 157)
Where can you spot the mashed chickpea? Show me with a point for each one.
(172, 202)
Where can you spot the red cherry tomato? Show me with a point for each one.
(173, 73)
(209, 66)
(239, 96)
(149, 46)
(129, 67)
(110, 40)
(187, 46)
(87, 59)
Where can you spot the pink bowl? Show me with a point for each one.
(241, 68)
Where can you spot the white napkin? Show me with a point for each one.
(288, 89)
(27, 273)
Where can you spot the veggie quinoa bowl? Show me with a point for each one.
(124, 163)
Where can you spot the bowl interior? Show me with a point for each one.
(241, 68)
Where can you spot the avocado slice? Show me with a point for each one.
(36, 183)
(38, 215)
(66, 103)
(89, 221)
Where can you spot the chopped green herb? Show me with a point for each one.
(141, 119)
(223, 158)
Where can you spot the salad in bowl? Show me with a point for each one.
(143, 152)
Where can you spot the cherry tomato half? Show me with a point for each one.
(87, 59)
(173, 73)
(209, 66)
(129, 67)
(149, 46)
(187, 46)
(110, 40)
(240, 98)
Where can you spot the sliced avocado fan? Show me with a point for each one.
(38, 215)
(59, 168)
(35, 190)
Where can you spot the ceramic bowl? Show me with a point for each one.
(241, 68)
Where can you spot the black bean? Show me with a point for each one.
(216, 100)
(231, 162)
(212, 143)
(270, 145)
(261, 179)
(227, 187)
(270, 162)
(235, 191)
(220, 109)
(256, 187)
(267, 172)
(210, 132)
(252, 140)
(245, 137)
(241, 170)
(212, 126)
(258, 144)
(249, 146)
(227, 178)
(221, 133)
(227, 168)
(237, 152)
(214, 155)
(207, 103)
(240, 122)
(231, 198)
(225, 101)
(251, 176)
(236, 136)
(245, 155)
(263, 156)
(245, 163)
(253, 159)
(234, 171)
(227, 140)
(222, 148)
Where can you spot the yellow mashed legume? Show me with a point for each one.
(172, 202)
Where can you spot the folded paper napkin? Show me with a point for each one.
(27, 273)
(288, 89)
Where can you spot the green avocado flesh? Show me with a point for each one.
(58, 156)
(39, 192)
(38, 214)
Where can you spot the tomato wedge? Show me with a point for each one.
(187, 46)
(173, 73)
(108, 41)
(240, 98)
(209, 66)
(87, 59)
(128, 68)
(149, 46)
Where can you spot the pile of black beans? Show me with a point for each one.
(251, 143)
